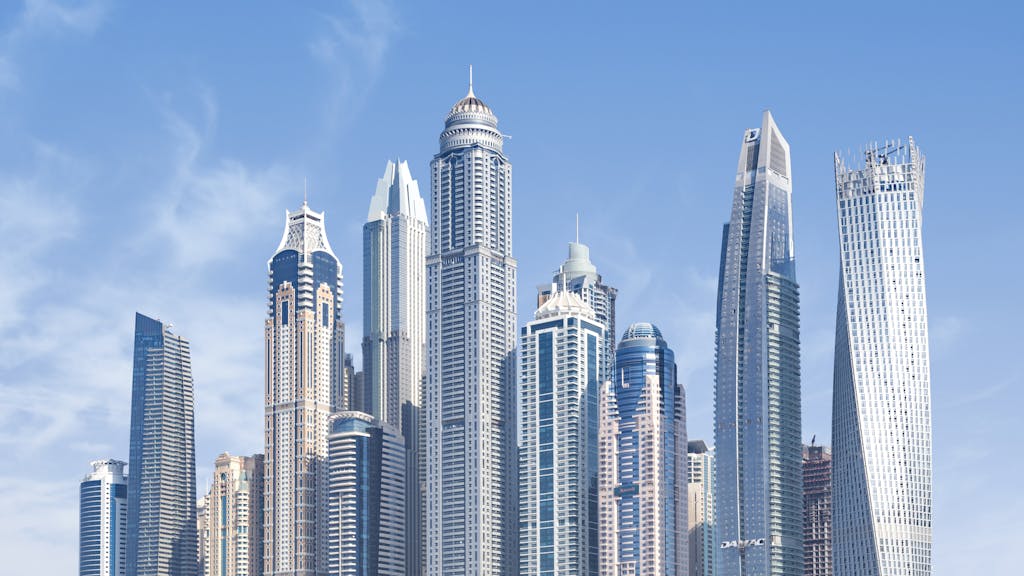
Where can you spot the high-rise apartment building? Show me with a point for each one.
(817, 511)
(642, 470)
(881, 402)
(304, 377)
(234, 517)
(103, 520)
(578, 274)
(470, 410)
(203, 533)
(701, 510)
(559, 370)
(367, 497)
(757, 369)
(394, 327)
(161, 459)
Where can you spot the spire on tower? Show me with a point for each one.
(470, 81)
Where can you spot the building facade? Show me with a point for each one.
(579, 275)
(394, 327)
(701, 510)
(162, 463)
(881, 401)
(203, 534)
(234, 517)
(757, 369)
(559, 371)
(642, 470)
(303, 385)
(470, 402)
(103, 520)
(817, 511)
(367, 497)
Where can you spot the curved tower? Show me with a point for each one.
(758, 453)
(471, 321)
(642, 474)
(304, 345)
(881, 400)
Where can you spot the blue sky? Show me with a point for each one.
(148, 153)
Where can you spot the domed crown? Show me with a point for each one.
(642, 330)
(471, 122)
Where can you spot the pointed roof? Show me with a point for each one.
(563, 303)
(304, 232)
(397, 193)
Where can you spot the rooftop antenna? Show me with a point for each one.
(577, 227)
(305, 190)
(471, 80)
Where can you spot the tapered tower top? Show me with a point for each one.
(397, 193)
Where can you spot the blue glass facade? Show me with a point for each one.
(162, 486)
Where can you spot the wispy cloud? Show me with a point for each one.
(45, 17)
(353, 47)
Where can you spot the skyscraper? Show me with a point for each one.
(701, 511)
(161, 458)
(757, 369)
(472, 463)
(103, 520)
(817, 511)
(203, 533)
(881, 403)
(578, 274)
(367, 497)
(559, 370)
(642, 473)
(394, 326)
(304, 376)
(234, 517)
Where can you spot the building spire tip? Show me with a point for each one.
(471, 81)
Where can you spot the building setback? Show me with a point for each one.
(470, 404)
(701, 511)
(162, 484)
(757, 369)
(367, 497)
(560, 366)
(817, 511)
(304, 383)
(103, 520)
(881, 401)
(234, 517)
(642, 470)
(394, 327)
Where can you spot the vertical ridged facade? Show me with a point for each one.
(701, 511)
(471, 452)
(233, 517)
(367, 497)
(757, 369)
(394, 326)
(303, 384)
(103, 520)
(579, 275)
(881, 401)
(817, 511)
(162, 462)
(560, 365)
(642, 482)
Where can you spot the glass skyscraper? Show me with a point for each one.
(642, 482)
(881, 401)
(394, 326)
(757, 369)
(560, 365)
(470, 403)
(579, 275)
(304, 377)
(103, 520)
(367, 497)
(161, 457)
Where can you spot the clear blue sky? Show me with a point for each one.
(148, 153)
